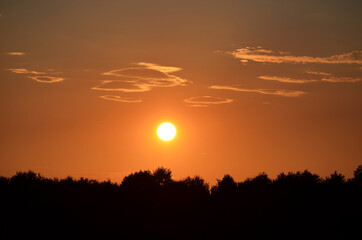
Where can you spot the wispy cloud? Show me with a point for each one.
(120, 99)
(25, 71)
(334, 79)
(259, 54)
(325, 77)
(319, 73)
(198, 105)
(16, 53)
(141, 78)
(278, 92)
(287, 79)
(329, 77)
(121, 86)
(164, 69)
(46, 79)
(37, 76)
(204, 101)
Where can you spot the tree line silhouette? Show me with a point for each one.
(152, 204)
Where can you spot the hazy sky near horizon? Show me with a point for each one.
(251, 86)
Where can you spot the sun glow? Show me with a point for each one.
(166, 131)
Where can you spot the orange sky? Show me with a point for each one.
(251, 86)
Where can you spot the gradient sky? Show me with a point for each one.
(251, 86)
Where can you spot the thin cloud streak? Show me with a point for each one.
(277, 92)
(328, 77)
(207, 100)
(16, 53)
(120, 99)
(268, 56)
(287, 79)
(340, 79)
(319, 73)
(24, 71)
(198, 105)
(164, 69)
(325, 77)
(133, 88)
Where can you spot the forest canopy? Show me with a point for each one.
(147, 203)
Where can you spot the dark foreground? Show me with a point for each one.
(151, 204)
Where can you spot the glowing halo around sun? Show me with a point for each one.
(166, 131)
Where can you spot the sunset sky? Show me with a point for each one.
(251, 86)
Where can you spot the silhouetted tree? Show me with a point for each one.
(335, 179)
(226, 186)
(358, 175)
(162, 175)
(308, 178)
(69, 180)
(197, 185)
(139, 180)
(304, 179)
(4, 181)
(22, 178)
(261, 179)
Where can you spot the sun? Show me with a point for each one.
(166, 131)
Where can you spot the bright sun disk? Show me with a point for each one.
(166, 131)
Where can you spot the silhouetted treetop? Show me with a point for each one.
(335, 179)
(139, 180)
(162, 175)
(358, 174)
(29, 177)
(261, 179)
(305, 178)
(225, 186)
(197, 184)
